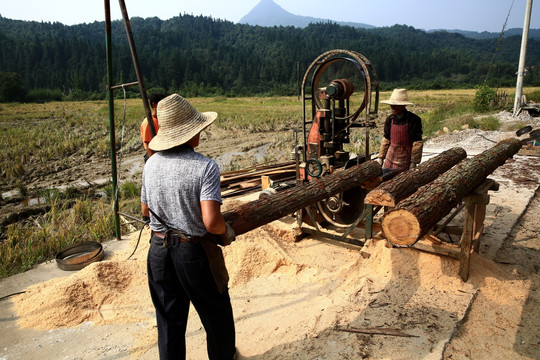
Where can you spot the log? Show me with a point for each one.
(393, 191)
(263, 211)
(414, 217)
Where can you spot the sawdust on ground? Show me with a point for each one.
(316, 299)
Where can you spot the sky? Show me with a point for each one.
(473, 15)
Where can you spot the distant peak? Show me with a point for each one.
(268, 13)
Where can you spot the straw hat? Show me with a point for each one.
(179, 121)
(398, 97)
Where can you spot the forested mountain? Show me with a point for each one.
(533, 33)
(199, 55)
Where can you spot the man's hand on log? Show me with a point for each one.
(229, 236)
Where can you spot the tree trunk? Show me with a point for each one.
(413, 217)
(393, 191)
(263, 211)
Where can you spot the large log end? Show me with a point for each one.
(380, 197)
(401, 227)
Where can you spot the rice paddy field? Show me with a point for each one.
(55, 163)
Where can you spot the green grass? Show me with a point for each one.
(29, 244)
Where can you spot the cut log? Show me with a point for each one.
(393, 191)
(414, 217)
(260, 212)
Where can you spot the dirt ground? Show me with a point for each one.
(312, 299)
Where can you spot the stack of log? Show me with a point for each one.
(391, 192)
(240, 182)
(417, 214)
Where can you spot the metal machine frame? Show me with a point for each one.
(348, 119)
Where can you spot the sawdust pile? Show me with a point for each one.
(96, 293)
(290, 300)
(289, 292)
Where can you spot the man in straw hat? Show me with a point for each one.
(181, 194)
(401, 146)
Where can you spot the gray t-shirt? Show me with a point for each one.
(173, 185)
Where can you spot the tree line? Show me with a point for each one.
(198, 56)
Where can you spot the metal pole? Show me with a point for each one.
(523, 53)
(138, 72)
(110, 94)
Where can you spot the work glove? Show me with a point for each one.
(228, 237)
(146, 219)
(416, 152)
(412, 166)
(385, 145)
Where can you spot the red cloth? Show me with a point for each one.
(399, 153)
(146, 135)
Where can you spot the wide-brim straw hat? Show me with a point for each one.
(398, 97)
(179, 122)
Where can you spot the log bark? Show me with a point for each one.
(413, 217)
(393, 191)
(263, 211)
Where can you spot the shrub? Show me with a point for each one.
(483, 97)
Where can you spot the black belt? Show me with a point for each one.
(177, 237)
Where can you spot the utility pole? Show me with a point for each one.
(523, 53)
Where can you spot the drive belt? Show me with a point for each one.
(76, 257)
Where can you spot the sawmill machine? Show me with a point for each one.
(340, 95)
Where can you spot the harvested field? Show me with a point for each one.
(313, 299)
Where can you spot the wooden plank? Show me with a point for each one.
(442, 248)
(225, 179)
(266, 182)
(466, 242)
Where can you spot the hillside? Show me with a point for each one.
(201, 56)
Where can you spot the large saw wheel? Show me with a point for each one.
(344, 208)
(340, 114)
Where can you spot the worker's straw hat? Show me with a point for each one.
(398, 97)
(179, 122)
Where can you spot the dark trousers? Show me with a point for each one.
(178, 275)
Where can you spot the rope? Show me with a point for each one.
(498, 42)
(120, 153)
(137, 244)
(10, 295)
